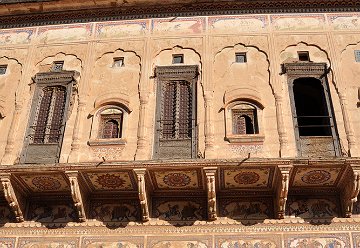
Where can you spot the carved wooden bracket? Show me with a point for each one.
(210, 173)
(144, 204)
(10, 196)
(351, 190)
(282, 190)
(76, 194)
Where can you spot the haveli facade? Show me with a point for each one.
(159, 124)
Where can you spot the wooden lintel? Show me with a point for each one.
(11, 196)
(144, 204)
(282, 190)
(77, 194)
(210, 173)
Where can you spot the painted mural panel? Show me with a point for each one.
(311, 176)
(236, 24)
(179, 179)
(27, 242)
(306, 22)
(6, 215)
(356, 239)
(52, 212)
(338, 240)
(64, 33)
(349, 21)
(45, 182)
(113, 242)
(234, 241)
(180, 242)
(110, 211)
(120, 180)
(16, 36)
(246, 178)
(246, 208)
(7, 242)
(312, 208)
(179, 210)
(121, 29)
(176, 25)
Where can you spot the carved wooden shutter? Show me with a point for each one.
(176, 132)
(48, 116)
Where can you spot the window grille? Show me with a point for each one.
(57, 66)
(47, 127)
(3, 69)
(176, 132)
(357, 55)
(111, 121)
(118, 62)
(240, 58)
(178, 59)
(303, 56)
(176, 110)
(244, 120)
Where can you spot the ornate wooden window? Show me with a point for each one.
(315, 130)
(176, 134)
(48, 117)
(111, 121)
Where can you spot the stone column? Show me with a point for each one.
(209, 127)
(9, 157)
(347, 125)
(142, 142)
(75, 145)
(280, 125)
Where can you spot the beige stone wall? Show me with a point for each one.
(209, 42)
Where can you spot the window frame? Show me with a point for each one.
(230, 136)
(96, 138)
(47, 152)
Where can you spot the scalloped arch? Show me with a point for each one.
(122, 50)
(177, 47)
(243, 93)
(112, 98)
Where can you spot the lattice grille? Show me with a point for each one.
(111, 126)
(50, 115)
(176, 110)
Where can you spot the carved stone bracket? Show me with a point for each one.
(144, 204)
(282, 190)
(351, 190)
(77, 194)
(210, 173)
(11, 197)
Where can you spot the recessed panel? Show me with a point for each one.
(45, 182)
(177, 179)
(247, 178)
(117, 181)
(312, 176)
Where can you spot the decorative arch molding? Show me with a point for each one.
(303, 43)
(236, 46)
(177, 49)
(114, 98)
(47, 61)
(242, 93)
(119, 50)
(348, 46)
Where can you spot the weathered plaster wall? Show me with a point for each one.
(209, 42)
